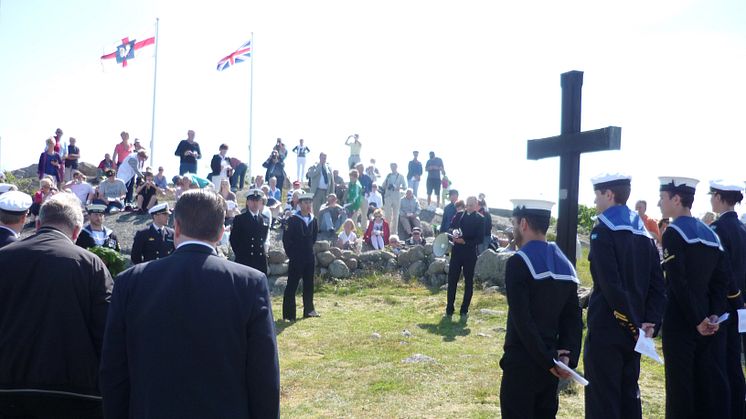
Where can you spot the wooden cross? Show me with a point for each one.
(568, 146)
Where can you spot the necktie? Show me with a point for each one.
(323, 173)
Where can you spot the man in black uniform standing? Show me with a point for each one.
(249, 233)
(96, 233)
(696, 287)
(156, 241)
(298, 239)
(14, 206)
(628, 296)
(732, 233)
(544, 318)
(467, 230)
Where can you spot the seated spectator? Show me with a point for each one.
(95, 233)
(275, 207)
(377, 234)
(296, 187)
(372, 170)
(160, 180)
(347, 239)
(416, 238)
(146, 194)
(409, 210)
(82, 189)
(340, 187)
(231, 204)
(375, 200)
(274, 191)
(106, 163)
(46, 191)
(111, 192)
(50, 163)
(395, 244)
(331, 215)
(257, 183)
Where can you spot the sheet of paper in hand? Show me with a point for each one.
(574, 375)
(646, 346)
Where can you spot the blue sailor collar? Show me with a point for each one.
(693, 231)
(546, 260)
(621, 218)
(306, 220)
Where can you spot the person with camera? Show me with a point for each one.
(466, 229)
(275, 168)
(146, 194)
(355, 147)
(392, 187)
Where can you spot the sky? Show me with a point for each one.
(471, 81)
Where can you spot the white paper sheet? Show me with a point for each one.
(742, 321)
(723, 318)
(574, 375)
(646, 346)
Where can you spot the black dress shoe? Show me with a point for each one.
(311, 314)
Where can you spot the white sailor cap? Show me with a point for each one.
(96, 208)
(160, 209)
(15, 202)
(608, 179)
(256, 194)
(305, 196)
(726, 185)
(533, 207)
(678, 184)
(6, 187)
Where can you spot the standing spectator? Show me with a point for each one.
(392, 187)
(275, 168)
(409, 210)
(111, 192)
(129, 171)
(50, 369)
(355, 148)
(221, 166)
(188, 152)
(160, 180)
(14, 206)
(57, 139)
(487, 230)
(137, 146)
(46, 191)
(50, 163)
(82, 189)
(414, 172)
(445, 184)
(239, 174)
(215, 314)
(434, 168)
(331, 215)
(72, 155)
(372, 170)
(282, 151)
(122, 150)
(106, 163)
(365, 181)
(231, 203)
(378, 232)
(449, 211)
(375, 200)
(157, 240)
(298, 239)
(663, 225)
(650, 224)
(320, 182)
(340, 187)
(147, 194)
(708, 218)
(301, 150)
(355, 200)
(96, 233)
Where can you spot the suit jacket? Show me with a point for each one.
(149, 244)
(247, 240)
(6, 237)
(53, 302)
(314, 177)
(215, 164)
(190, 336)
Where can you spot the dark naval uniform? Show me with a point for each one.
(298, 239)
(464, 256)
(696, 287)
(86, 240)
(543, 316)
(7, 236)
(628, 290)
(732, 234)
(248, 235)
(151, 244)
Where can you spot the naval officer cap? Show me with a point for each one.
(7, 187)
(722, 185)
(532, 207)
(256, 194)
(15, 202)
(674, 184)
(609, 180)
(96, 208)
(305, 197)
(160, 209)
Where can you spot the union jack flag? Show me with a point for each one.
(240, 55)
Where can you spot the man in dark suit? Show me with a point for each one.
(467, 229)
(300, 234)
(53, 302)
(191, 335)
(14, 206)
(156, 241)
(249, 233)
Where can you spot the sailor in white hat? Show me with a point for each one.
(544, 319)
(628, 299)
(696, 287)
(14, 206)
(96, 233)
(300, 234)
(157, 240)
(724, 196)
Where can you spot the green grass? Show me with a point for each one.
(334, 366)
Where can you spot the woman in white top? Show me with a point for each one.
(347, 239)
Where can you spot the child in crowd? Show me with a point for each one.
(377, 234)
(347, 239)
(395, 244)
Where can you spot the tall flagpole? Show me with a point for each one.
(152, 117)
(251, 104)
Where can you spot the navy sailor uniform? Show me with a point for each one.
(298, 239)
(543, 317)
(464, 257)
(7, 236)
(628, 290)
(151, 244)
(248, 235)
(86, 240)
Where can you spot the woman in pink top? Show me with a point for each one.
(122, 150)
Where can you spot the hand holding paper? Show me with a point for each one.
(574, 375)
(646, 346)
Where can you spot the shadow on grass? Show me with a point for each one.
(281, 325)
(447, 328)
